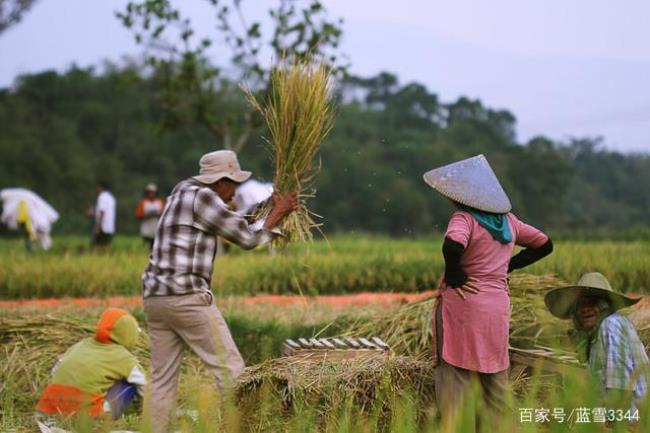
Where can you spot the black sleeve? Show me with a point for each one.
(452, 252)
(529, 256)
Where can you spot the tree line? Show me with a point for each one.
(64, 132)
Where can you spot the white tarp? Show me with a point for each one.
(250, 194)
(41, 214)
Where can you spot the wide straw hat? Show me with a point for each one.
(470, 182)
(561, 301)
(219, 164)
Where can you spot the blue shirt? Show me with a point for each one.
(617, 357)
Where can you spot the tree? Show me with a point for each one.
(63, 132)
(540, 174)
(196, 90)
(502, 122)
(12, 11)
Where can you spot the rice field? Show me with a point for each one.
(395, 394)
(294, 395)
(340, 265)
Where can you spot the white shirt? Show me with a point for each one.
(250, 194)
(152, 211)
(106, 205)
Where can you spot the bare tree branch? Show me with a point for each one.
(11, 12)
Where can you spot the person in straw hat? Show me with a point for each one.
(604, 339)
(178, 302)
(472, 313)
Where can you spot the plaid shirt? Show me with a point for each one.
(617, 356)
(182, 258)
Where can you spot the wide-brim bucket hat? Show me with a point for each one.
(216, 165)
(561, 302)
(470, 182)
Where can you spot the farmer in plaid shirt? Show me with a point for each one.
(178, 302)
(606, 340)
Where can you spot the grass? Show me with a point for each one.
(343, 265)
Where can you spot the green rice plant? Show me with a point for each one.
(299, 114)
(345, 264)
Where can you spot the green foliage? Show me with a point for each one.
(193, 88)
(64, 132)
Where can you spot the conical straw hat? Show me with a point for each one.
(561, 301)
(470, 182)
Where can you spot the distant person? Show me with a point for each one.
(97, 377)
(249, 196)
(104, 213)
(606, 340)
(25, 211)
(148, 212)
(24, 220)
(472, 314)
(178, 300)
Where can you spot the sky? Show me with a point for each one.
(563, 68)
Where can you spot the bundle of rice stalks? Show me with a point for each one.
(373, 385)
(299, 114)
(408, 330)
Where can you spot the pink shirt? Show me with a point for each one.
(476, 330)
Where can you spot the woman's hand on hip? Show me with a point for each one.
(469, 286)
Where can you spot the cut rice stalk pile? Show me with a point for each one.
(299, 114)
(372, 384)
(408, 329)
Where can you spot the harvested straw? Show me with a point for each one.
(531, 324)
(31, 344)
(370, 384)
(299, 115)
(408, 330)
(30, 347)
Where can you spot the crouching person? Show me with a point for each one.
(97, 377)
(606, 340)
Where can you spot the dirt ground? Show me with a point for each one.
(333, 301)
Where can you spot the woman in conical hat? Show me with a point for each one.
(473, 310)
(605, 340)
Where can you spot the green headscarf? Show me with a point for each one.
(496, 224)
